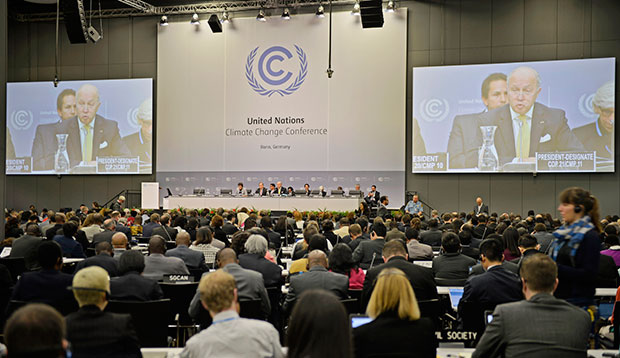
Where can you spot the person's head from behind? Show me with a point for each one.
(33, 229)
(104, 248)
(539, 274)
(131, 261)
(540, 227)
(91, 286)
(157, 245)
(50, 255)
(394, 248)
(218, 292)
(119, 240)
(528, 242)
(450, 243)
(393, 293)
(355, 231)
(494, 91)
(69, 229)
(35, 331)
(319, 327)
(182, 239)
(491, 252)
(317, 258)
(318, 242)
(226, 256)
(341, 259)
(411, 234)
(378, 231)
(256, 244)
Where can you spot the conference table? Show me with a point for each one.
(299, 203)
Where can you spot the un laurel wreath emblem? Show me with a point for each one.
(275, 53)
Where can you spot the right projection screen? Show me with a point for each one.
(547, 116)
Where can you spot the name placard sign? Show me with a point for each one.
(116, 165)
(564, 161)
(19, 165)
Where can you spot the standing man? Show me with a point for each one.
(414, 206)
(539, 326)
(118, 204)
(90, 135)
(480, 207)
(44, 145)
(462, 145)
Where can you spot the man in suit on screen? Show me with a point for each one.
(44, 145)
(462, 146)
(140, 144)
(524, 126)
(90, 135)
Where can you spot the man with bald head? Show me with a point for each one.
(193, 259)
(317, 277)
(525, 126)
(90, 135)
(250, 284)
(119, 244)
(156, 265)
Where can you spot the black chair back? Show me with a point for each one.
(431, 309)
(473, 317)
(452, 282)
(197, 273)
(151, 327)
(275, 294)
(16, 266)
(351, 305)
(251, 309)
(180, 295)
(90, 252)
(143, 239)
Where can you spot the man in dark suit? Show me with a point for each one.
(59, 220)
(539, 326)
(317, 277)
(480, 207)
(382, 210)
(164, 230)
(132, 286)
(372, 198)
(147, 230)
(496, 285)
(90, 135)
(395, 255)
(140, 144)
(48, 285)
(254, 259)
(524, 126)
(44, 145)
(157, 265)
(92, 331)
(229, 226)
(106, 235)
(465, 134)
(452, 264)
(481, 231)
(274, 237)
(432, 236)
(103, 258)
(543, 237)
(368, 252)
(192, 258)
(26, 247)
(261, 191)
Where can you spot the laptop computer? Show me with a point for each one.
(359, 320)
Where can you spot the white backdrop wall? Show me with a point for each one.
(207, 110)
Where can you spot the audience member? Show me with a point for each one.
(254, 259)
(543, 237)
(451, 264)
(611, 240)
(157, 265)
(539, 326)
(164, 230)
(26, 247)
(92, 225)
(395, 232)
(131, 285)
(341, 261)
(576, 246)
(368, 253)
(92, 331)
(147, 229)
(319, 327)
(103, 258)
(395, 256)
(106, 235)
(317, 242)
(397, 328)
(216, 226)
(354, 233)
(328, 232)
(432, 236)
(249, 283)
(36, 330)
(416, 249)
(70, 247)
(528, 245)
(205, 244)
(511, 247)
(193, 259)
(497, 285)
(229, 335)
(119, 244)
(317, 277)
(363, 223)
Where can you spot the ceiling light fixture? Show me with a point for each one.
(320, 12)
(390, 6)
(261, 16)
(356, 9)
(286, 15)
(163, 21)
(195, 20)
(225, 17)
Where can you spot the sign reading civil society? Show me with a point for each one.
(270, 79)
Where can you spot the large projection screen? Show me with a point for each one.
(254, 104)
(79, 127)
(548, 116)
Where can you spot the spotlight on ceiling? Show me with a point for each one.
(286, 15)
(320, 12)
(225, 17)
(163, 21)
(390, 6)
(261, 16)
(195, 19)
(356, 9)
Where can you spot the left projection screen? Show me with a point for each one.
(79, 127)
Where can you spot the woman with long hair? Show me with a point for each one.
(203, 243)
(319, 327)
(341, 261)
(576, 246)
(397, 328)
(510, 237)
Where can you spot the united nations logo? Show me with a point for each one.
(132, 117)
(272, 81)
(21, 119)
(585, 105)
(434, 109)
